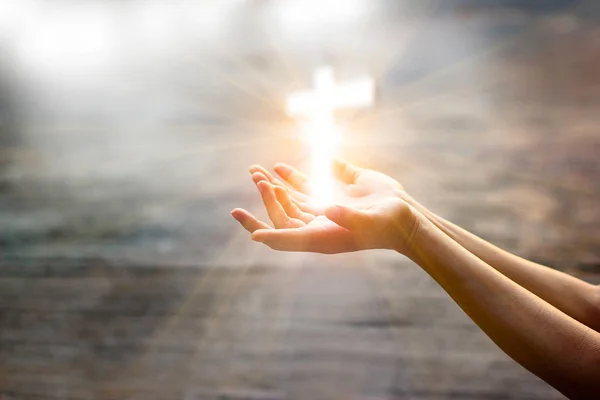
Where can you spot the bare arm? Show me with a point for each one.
(552, 345)
(576, 298)
(534, 331)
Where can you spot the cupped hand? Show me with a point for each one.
(371, 215)
(357, 187)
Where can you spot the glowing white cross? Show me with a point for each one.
(318, 107)
(327, 97)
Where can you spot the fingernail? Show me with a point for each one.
(261, 187)
(256, 239)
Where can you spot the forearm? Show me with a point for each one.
(573, 296)
(549, 343)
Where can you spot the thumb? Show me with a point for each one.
(347, 217)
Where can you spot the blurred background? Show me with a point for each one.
(126, 130)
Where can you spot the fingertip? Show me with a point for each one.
(342, 162)
(253, 168)
(258, 236)
(338, 163)
(283, 169)
(239, 214)
(265, 187)
(280, 190)
(334, 212)
(258, 177)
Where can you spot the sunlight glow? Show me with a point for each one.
(306, 15)
(322, 137)
(83, 38)
(65, 39)
(320, 129)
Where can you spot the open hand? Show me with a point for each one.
(358, 187)
(371, 213)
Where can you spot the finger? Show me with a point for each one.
(349, 218)
(297, 194)
(259, 173)
(289, 193)
(344, 171)
(291, 175)
(286, 239)
(307, 207)
(258, 177)
(274, 208)
(248, 221)
(306, 240)
(291, 209)
(261, 170)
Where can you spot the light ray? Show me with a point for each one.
(283, 316)
(215, 320)
(496, 47)
(320, 130)
(401, 52)
(200, 284)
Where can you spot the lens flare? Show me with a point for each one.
(322, 137)
(317, 107)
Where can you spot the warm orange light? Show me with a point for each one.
(322, 138)
(320, 131)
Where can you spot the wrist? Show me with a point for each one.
(422, 232)
(403, 194)
(436, 220)
(409, 226)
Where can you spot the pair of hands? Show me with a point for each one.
(371, 214)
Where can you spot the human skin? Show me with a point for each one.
(545, 320)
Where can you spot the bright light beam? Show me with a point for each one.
(311, 16)
(317, 107)
(67, 39)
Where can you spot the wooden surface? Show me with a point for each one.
(314, 331)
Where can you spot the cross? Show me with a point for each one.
(327, 97)
(318, 107)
